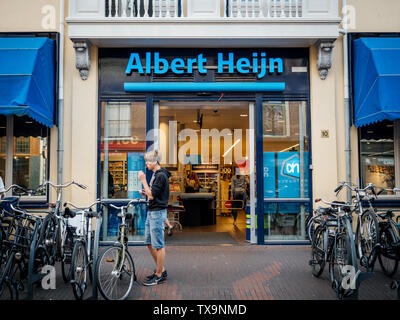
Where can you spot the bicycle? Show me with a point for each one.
(367, 230)
(56, 235)
(82, 254)
(389, 241)
(115, 267)
(321, 240)
(18, 241)
(343, 256)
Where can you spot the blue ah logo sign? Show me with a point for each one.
(291, 167)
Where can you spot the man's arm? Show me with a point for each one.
(142, 178)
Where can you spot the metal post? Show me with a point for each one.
(10, 152)
(99, 220)
(252, 149)
(347, 105)
(302, 130)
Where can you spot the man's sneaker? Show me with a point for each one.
(155, 280)
(163, 275)
(170, 231)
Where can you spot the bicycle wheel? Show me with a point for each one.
(367, 236)
(2, 250)
(318, 252)
(6, 291)
(48, 237)
(340, 258)
(39, 260)
(79, 272)
(115, 274)
(67, 253)
(387, 255)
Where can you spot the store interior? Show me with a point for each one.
(205, 145)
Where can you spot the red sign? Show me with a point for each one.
(228, 204)
(125, 145)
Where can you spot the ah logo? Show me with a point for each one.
(291, 167)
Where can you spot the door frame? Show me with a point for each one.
(155, 108)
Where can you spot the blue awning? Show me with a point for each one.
(27, 78)
(376, 79)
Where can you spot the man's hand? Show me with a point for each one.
(142, 176)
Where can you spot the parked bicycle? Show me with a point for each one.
(19, 230)
(389, 241)
(367, 230)
(322, 239)
(115, 267)
(83, 253)
(56, 235)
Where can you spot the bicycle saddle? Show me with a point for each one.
(387, 214)
(69, 213)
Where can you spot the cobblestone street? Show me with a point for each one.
(242, 272)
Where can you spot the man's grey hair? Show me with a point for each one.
(153, 156)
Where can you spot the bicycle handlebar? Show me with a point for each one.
(15, 186)
(99, 201)
(370, 186)
(335, 203)
(82, 208)
(134, 201)
(57, 186)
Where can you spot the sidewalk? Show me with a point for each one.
(243, 272)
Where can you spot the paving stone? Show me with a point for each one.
(232, 273)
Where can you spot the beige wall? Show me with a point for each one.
(80, 128)
(375, 16)
(327, 99)
(29, 15)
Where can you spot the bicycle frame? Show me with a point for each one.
(60, 231)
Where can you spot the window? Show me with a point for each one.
(122, 147)
(22, 145)
(285, 156)
(26, 163)
(377, 154)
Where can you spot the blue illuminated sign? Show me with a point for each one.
(258, 64)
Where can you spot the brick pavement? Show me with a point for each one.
(242, 272)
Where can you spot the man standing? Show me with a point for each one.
(158, 194)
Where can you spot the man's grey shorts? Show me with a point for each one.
(154, 228)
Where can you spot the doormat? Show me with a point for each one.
(199, 238)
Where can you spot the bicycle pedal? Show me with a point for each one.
(313, 262)
(364, 261)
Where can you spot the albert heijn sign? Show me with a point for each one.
(259, 63)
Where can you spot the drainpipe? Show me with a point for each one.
(346, 99)
(60, 98)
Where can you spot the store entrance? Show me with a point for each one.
(206, 146)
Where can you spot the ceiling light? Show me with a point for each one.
(243, 115)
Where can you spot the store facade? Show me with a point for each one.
(135, 98)
(217, 93)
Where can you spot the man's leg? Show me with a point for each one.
(153, 252)
(160, 257)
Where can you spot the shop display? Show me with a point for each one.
(118, 170)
